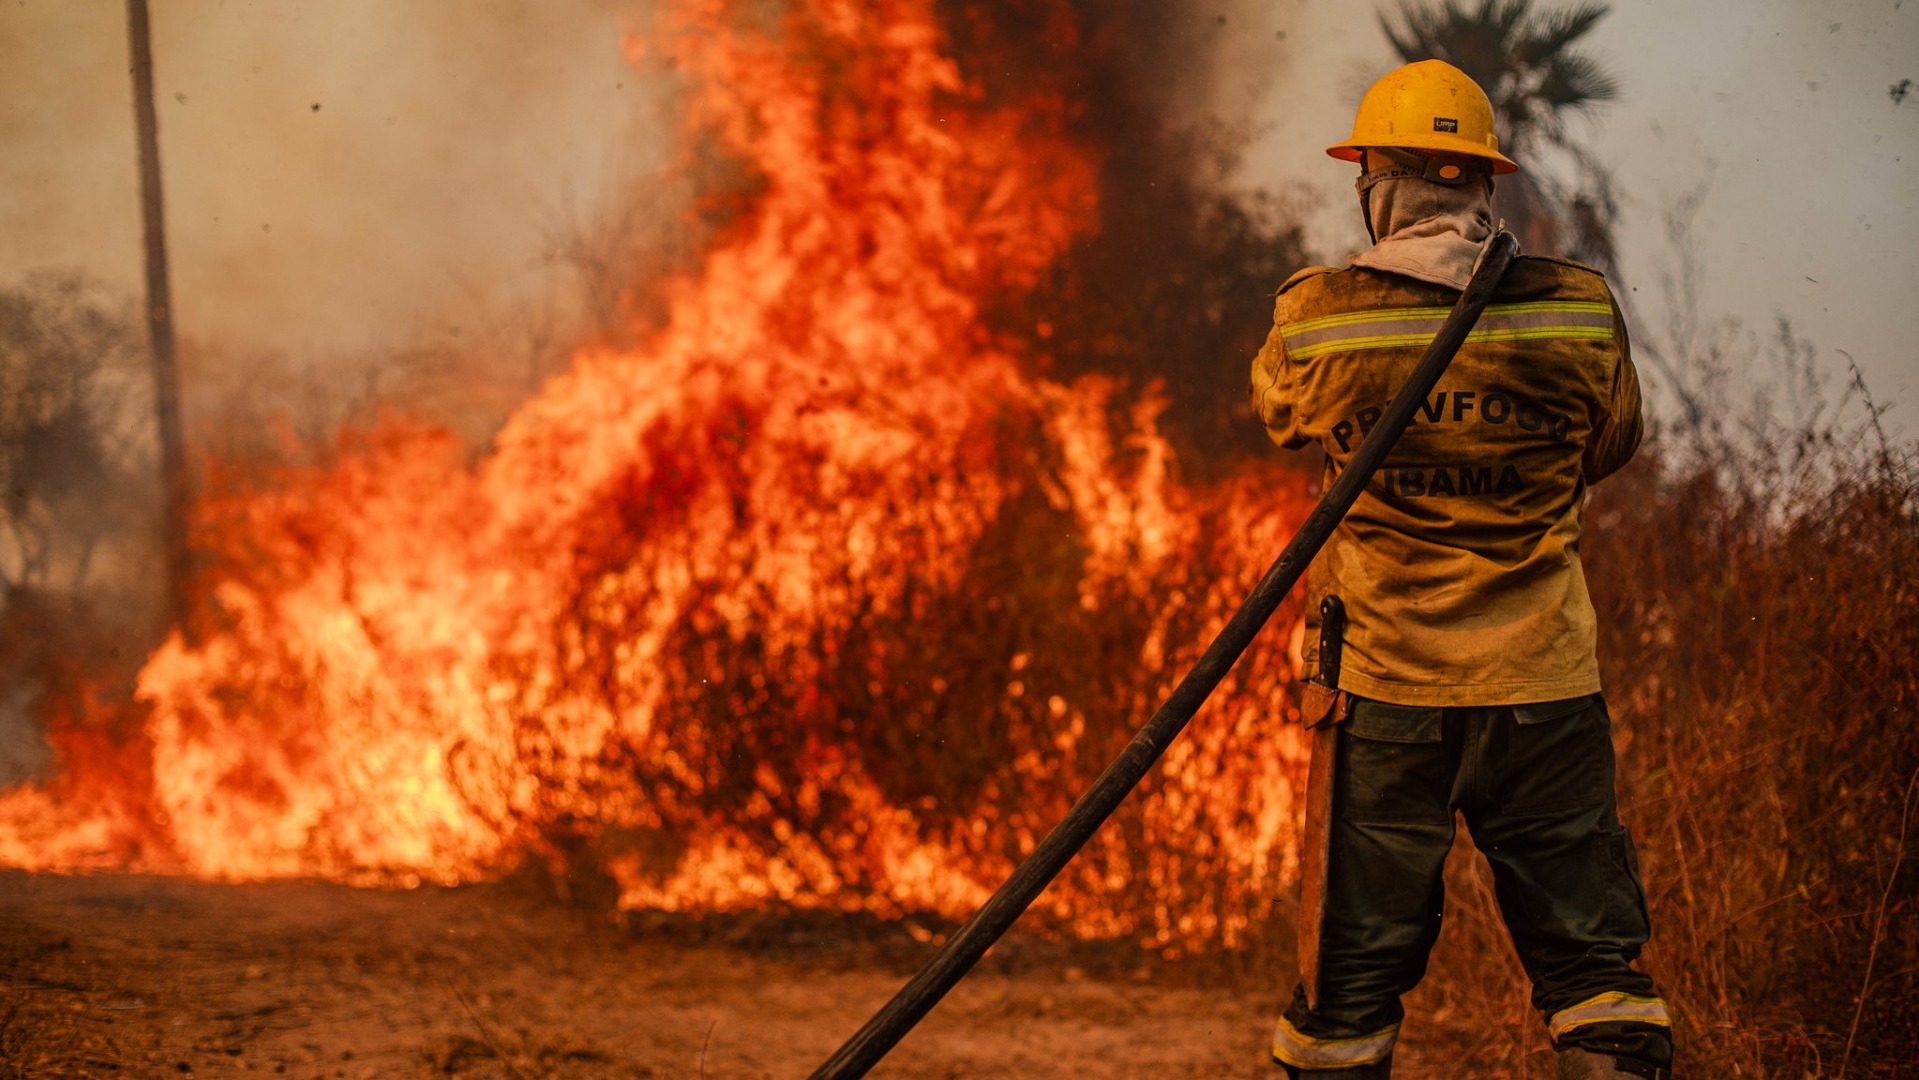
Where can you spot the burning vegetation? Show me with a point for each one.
(913, 497)
(820, 598)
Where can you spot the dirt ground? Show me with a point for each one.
(149, 977)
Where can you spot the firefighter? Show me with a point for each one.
(1466, 682)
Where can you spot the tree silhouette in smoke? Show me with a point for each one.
(1174, 288)
(1527, 59)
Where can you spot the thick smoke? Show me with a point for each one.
(348, 185)
(1174, 287)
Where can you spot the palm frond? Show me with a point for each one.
(1559, 29)
(1410, 49)
(1474, 41)
(1575, 82)
(1504, 17)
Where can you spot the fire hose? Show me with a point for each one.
(968, 944)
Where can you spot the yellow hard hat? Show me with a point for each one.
(1430, 107)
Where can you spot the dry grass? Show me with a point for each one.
(1759, 606)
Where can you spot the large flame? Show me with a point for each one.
(815, 600)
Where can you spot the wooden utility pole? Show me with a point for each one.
(166, 375)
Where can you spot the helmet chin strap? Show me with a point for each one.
(1405, 165)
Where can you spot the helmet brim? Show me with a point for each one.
(1436, 144)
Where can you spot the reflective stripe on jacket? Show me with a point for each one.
(1459, 564)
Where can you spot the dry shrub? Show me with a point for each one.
(1759, 611)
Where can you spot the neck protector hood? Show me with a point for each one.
(1428, 231)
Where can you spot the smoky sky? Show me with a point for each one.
(345, 177)
(338, 176)
(353, 179)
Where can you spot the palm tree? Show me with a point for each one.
(1526, 59)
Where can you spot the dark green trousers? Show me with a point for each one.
(1535, 786)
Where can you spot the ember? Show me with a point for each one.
(818, 599)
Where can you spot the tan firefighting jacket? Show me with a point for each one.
(1459, 565)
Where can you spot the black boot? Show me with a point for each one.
(1577, 1064)
(1381, 1071)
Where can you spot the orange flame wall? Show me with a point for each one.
(818, 599)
